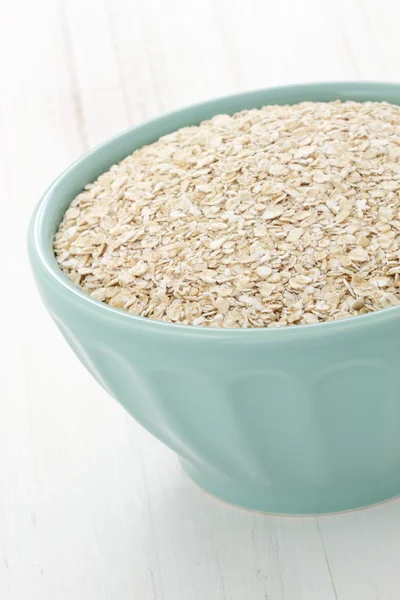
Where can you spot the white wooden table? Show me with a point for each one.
(91, 507)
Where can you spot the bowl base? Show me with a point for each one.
(271, 501)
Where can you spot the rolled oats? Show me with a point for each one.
(280, 216)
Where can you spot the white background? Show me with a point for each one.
(91, 507)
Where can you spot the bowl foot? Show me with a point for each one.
(261, 498)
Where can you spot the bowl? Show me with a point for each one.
(297, 420)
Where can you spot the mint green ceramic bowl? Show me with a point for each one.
(298, 420)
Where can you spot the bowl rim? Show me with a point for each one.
(43, 260)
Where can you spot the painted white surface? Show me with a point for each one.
(91, 507)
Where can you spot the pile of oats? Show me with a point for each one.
(279, 216)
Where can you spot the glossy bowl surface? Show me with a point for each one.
(299, 420)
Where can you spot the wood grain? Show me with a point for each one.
(91, 506)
